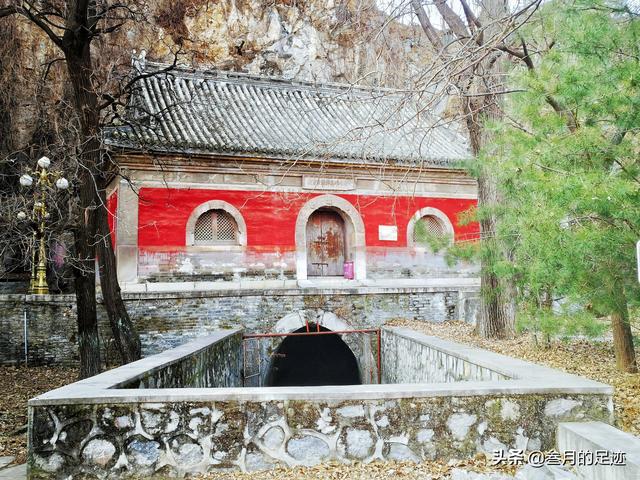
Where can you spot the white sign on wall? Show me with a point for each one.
(388, 233)
(327, 183)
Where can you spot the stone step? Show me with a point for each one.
(606, 442)
(4, 461)
(14, 473)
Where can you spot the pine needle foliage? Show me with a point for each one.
(571, 210)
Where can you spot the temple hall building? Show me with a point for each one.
(275, 206)
(232, 181)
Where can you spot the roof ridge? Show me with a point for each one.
(217, 111)
(271, 80)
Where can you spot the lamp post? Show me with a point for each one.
(43, 180)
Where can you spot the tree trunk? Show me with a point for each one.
(80, 68)
(497, 294)
(88, 338)
(622, 337)
(124, 333)
(85, 286)
(478, 84)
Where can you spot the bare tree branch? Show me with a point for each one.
(37, 18)
(6, 11)
(452, 19)
(432, 34)
(472, 20)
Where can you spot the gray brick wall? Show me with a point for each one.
(165, 320)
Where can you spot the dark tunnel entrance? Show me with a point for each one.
(312, 360)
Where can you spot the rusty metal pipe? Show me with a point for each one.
(294, 334)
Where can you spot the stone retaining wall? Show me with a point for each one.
(217, 364)
(145, 440)
(166, 320)
(409, 359)
(51, 330)
(92, 429)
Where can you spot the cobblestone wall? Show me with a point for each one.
(172, 439)
(165, 320)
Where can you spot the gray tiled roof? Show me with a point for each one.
(230, 113)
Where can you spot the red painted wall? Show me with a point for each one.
(271, 216)
(112, 211)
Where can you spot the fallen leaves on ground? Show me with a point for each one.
(371, 471)
(588, 358)
(18, 385)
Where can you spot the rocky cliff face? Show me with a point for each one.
(318, 40)
(321, 40)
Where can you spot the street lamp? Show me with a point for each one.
(43, 179)
(62, 183)
(26, 180)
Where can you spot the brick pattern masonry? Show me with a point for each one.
(166, 320)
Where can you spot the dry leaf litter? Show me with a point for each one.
(588, 358)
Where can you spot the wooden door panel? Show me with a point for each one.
(315, 250)
(325, 244)
(333, 235)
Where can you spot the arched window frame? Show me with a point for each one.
(424, 212)
(216, 205)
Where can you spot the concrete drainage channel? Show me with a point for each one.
(184, 411)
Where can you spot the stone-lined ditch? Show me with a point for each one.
(438, 399)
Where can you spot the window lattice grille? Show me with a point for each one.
(215, 227)
(428, 226)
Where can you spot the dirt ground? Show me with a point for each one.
(588, 358)
(19, 384)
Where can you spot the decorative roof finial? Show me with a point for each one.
(139, 62)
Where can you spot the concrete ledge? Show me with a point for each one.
(166, 290)
(528, 378)
(94, 394)
(598, 436)
(246, 292)
(112, 379)
(507, 366)
(292, 287)
(28, 298)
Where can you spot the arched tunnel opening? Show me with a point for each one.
(312, 360)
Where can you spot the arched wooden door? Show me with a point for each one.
(325, 244)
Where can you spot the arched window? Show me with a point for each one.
(215, 227)
(429, 227)
(216, 224)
